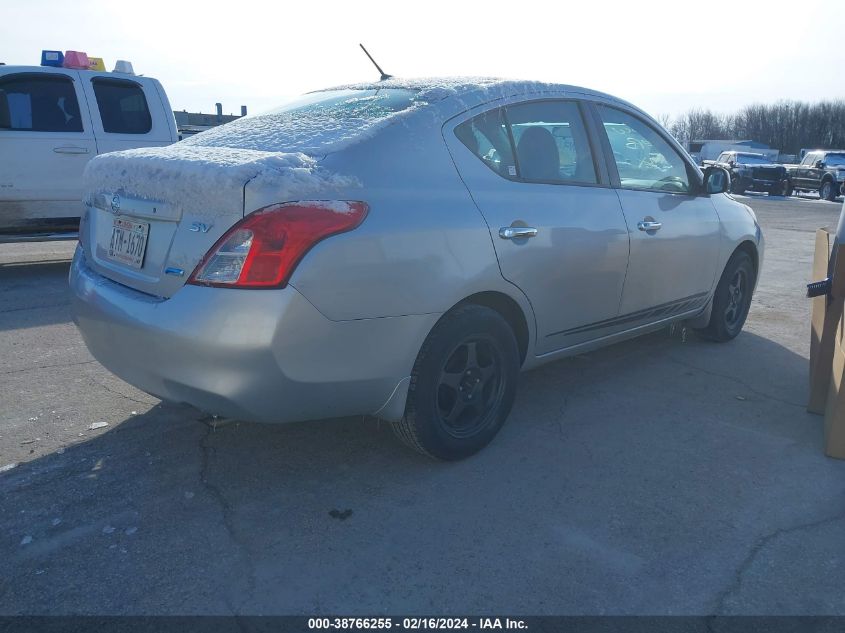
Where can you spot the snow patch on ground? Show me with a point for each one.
(209, 180)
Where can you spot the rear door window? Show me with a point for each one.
(40, 102)
(551, 142)
(535, 141)
(123, 106)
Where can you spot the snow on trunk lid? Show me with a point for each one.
(154, 212)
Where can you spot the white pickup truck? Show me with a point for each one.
(52, 122)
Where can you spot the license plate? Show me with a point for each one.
(128, 242)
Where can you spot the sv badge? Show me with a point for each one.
(200, 227)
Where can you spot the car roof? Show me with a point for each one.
(468, 92)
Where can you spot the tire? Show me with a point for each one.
(731, 301)
(828, 191)
(736, 186)
(456, 405)
(787, 189)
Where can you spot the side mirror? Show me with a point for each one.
(819, 164)
(732, 163)
(5, 116)
(716, 180)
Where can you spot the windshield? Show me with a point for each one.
(316, 123)
(835, 160)
(752, 159)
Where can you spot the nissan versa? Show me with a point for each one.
(402, 249)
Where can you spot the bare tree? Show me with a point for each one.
(786, 125)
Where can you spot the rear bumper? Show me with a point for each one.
(266, 356)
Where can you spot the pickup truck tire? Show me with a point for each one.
(731, 299)
(736, 186)
(828, 190)
(463, 384)
(787, 189)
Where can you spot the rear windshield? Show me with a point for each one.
(752, 159)
(319, 122)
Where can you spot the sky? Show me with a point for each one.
(663, 56)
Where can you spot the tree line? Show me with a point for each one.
(786, 125)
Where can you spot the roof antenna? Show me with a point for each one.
(384, 75)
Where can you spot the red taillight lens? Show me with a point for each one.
(263, 249)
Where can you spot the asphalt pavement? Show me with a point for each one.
(659, 476)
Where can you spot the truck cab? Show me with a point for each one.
(52, 122)
(822, 171)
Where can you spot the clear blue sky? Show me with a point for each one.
(664, 56)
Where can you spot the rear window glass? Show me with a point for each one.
(752, 159)
(39, 103)
(350, 104)
(317, 122)
(835, 160)
(123, 106)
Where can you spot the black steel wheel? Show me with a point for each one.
(828, 191)
(732, 299)
(462, 385)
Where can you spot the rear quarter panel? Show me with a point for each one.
(423, 247)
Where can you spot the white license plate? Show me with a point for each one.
(128, 242)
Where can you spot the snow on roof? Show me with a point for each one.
(330, 120)
(281, 148)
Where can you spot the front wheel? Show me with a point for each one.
(732, 299)
(787, 188)
(462, 385)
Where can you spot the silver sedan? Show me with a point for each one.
(402, 249)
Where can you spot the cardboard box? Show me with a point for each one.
(825, 317)
(827, 345)
(834, 414)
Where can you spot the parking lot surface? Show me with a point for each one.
(654, 477)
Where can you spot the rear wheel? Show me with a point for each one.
(462, 386)
(732, 299)
(827, 191)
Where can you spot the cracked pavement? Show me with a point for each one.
(654, 477)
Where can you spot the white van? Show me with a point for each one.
(52, 122)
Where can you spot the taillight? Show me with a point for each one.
(263, 249)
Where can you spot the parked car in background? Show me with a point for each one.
(821, 171)
(52, 122)
(754, 172)
(403, 249)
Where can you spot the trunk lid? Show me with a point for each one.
(152, 214)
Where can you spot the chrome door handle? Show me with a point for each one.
(516, 232)
(67, 149)
(645, 225)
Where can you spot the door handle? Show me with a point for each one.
(70, 149)
(516, 232)
(649, 225)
